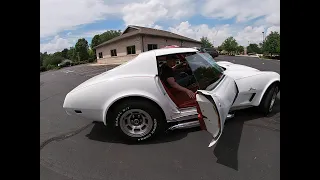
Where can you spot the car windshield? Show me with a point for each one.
(206, 71)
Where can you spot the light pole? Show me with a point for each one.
(262, 36)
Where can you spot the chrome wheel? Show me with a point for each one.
(273, 99)
(136, 123)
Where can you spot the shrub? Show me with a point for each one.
(52, 60)
(42, 68)
(50, 66)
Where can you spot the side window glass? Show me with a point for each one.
(183, 74)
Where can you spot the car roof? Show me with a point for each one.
(145, 63)
(165, 51)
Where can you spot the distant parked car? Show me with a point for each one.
(65, 63)
(212, 51)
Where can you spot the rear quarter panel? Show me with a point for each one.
(143, 86)
(95, 100)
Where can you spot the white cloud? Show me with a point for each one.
(243, 10)
(60, 15)
(273, 28)
(215, 34)
(157, 27)
(218, 34)
(273, 19)
(144, 14)
(147, 13)
(56, 44)
(59, 43)
(250, 35)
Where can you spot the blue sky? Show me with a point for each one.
(63, 22)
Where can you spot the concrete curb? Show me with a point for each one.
(269, 59)
(245, 56)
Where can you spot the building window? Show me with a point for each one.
(113, 52)
(100, 55)
(131, 50)
(152, 46)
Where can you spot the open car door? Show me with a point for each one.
(217, 92)
(213, 106)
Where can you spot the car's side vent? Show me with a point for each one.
(77, 111)
(252, 96)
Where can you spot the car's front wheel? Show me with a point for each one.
(137, 120)
(269, 99)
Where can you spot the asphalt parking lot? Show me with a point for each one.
(75, 148)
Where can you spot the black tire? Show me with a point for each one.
(156, 125)
(266, 105)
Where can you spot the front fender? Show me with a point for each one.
(271, 78)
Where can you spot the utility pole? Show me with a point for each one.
(262, 36)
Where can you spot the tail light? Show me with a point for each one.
(200, 117)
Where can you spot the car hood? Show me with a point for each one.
(237, 71)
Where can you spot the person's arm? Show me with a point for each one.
(175, 85)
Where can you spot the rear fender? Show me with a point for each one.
(124, 94)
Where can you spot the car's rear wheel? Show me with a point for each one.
(138, 120)
(269, 99)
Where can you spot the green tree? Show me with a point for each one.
(106, 36)
(100, 38)
(205, 43)
(64, 53)
(52, 60)
(81, 48)
(272, 43)
(91, 55)
(230, 44)
(42, 56)
(71, 54)
(220, 48)
(95, 41)
(57, 54)
(253, 48)
(240, 49)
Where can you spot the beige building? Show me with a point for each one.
(136, 39)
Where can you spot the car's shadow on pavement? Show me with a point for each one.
(102, 133)
(226, 149)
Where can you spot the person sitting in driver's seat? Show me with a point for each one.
(167, 76)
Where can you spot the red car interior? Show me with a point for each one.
(181, 99)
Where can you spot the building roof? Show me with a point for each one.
(146, 31)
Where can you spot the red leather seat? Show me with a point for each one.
(181, 99)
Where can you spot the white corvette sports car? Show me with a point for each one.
(134, 100)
